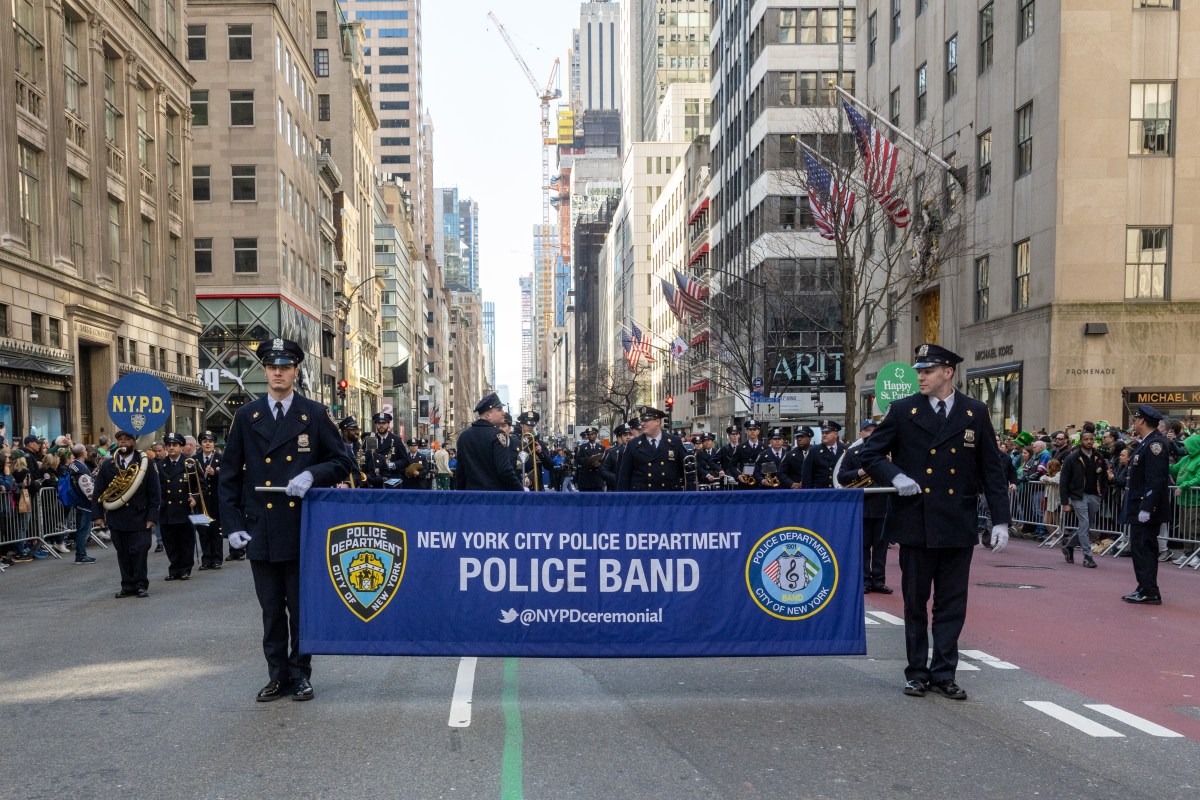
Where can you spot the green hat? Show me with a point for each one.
(1024, 438)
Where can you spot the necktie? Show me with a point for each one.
(278, 411)
(941, 409)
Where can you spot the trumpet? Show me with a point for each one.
(861, 482)
(747, 480)
(770, 478)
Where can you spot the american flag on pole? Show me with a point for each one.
(880, 157)
(640, 341)
(673, 297)
(832, 204)
(692, 293)
(632, 354)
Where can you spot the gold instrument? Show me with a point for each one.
(413, 470)
(595, 460)
(529, 445)
(747, 480)
(362, 469)
(861, 482)
(770, 478)
(125, 485)
(191, 472)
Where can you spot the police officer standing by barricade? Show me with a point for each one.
(943, 454)
(179, 537)
(1147, 503)
(208, 468)
(281, 441)
(485, 461)
(589, 458)
(875, 506)
(127, 500)
(417, 468)
(819, 466)
(653, 462)
(793, 462)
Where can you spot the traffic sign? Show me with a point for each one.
(894, 381)
(765, 409)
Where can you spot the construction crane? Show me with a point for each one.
(545, 94)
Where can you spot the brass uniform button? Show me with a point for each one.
(292, 503)
(268, 483)
(269, 505)
(933, 452)
(267, 460)
(926, 490)
(929, 470)
(951, 491)
(289, 458)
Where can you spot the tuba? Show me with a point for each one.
(125, 485)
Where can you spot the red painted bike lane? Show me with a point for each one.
(1072, 628)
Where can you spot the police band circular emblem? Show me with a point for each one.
(792, 573)
(366, 563)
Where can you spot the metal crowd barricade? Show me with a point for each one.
(1185, 527)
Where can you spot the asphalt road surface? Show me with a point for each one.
(1072, 694)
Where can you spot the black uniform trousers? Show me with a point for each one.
(132, 548)
(875, 549)
(277, 584)
(1143, 540)
(946, 571)
(211, 549)
(179, 540)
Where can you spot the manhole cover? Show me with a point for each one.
(1021, 566)
(1010, 585)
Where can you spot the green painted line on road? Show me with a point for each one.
(511, 779)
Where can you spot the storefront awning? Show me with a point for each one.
(699, 210)
(698, 338)
(699, 386)
(32, 363)
(703, 251)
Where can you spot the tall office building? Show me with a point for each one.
(599, 48)
(468, 226)
(525, 282)
(664, 43)
(489, 342)
(447, 243)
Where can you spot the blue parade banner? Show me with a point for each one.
(589, 575)
(139, 403)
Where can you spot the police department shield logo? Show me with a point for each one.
(792, 573)
(139, 421)
(366, 564)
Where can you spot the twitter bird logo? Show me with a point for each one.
(508, 616)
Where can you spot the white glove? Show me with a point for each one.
(1143, 517)
(999, 537)
(300, 484)
(906, 485)
(239, 539)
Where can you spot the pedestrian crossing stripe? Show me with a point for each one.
(1095, 729)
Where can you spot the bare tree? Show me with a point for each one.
(608, 392)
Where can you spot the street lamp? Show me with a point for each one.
(343, 301)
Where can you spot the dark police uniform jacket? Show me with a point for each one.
(1147, 485)
(388, 452)
(953, 462)
(173, 481)
(209, 485)
(817, 472)
(875, 505)
(707, 464)
(793, 465)
(261, 452)
(422, 479)
(768, 457)
(485, 461)
(589, 478)
(747, 455)
(727, 458)
(538, 457)
(610, 467)
(645, 468)
(143, 507)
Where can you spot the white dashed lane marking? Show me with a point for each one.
(883, 616)
(984, 658)
(464, 688)
(1134, 721)
(1093, 728)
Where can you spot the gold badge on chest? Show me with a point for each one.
(302, 443)
(968, 438)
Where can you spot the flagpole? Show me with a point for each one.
(922, 149)
(647, 330)
(832, 166)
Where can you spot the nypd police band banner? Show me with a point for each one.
(582, 574)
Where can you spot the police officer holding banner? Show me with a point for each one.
(485, 461)
(943, 454)
(1147, 503)
(875, 508)
(279, 446)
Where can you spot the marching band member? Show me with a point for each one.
(127, 499)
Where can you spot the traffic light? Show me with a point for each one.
(343, 384)
(670, 403)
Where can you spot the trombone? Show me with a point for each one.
(527, 450)
(191, 472)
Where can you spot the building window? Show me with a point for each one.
(982, 287)
(29, 194)
(144, 130)
(818, 25)
(1146, 259)
(173, 270)
(147, 254)
(321, 63)
(895, 20)
(133, 353)
(983, 179)
(1024, 139)
(197, 42)
(162, 359)
(890, 323)
(787, 26)
(112, 108)
(322, 108)
(245, 254)
(179, 364)
(72, 29)
(144, 12)
(986, 33)
(241, 106)
(37, 334)
(203, 258)
(787, 88)
(894, 107)
(322, 24)
(849, 25)
(76, 211)
(28, 46)
(1151, 107)
(114, 236)
(872, 36)
(199, 108)
(120, 349)
(241, 42)
(244, 183)
(1000, 391)
(201, 183)
(1025, 19)
(951, 66)
(1167, 4)
(1021, 276)
(171, 25)
(922, 93)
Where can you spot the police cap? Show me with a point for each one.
(413, 443)
(620, 430)
(208, 436)
(650, 412)
(591, 432)
(776, 433)
(381, 418)
(635, 424)
(280, 353)
(709, 437)
(349, 423)
(751, 425)
(174, 438)
(508, 419)
(119, 434)
(868, 423)
(529, 418)
(828, 425)
(932, 355)
(804, 430)
(732, 429)
(1149, 413)
(488, 403)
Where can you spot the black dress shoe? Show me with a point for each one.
(204, 567)
(302, 690)
(125, 593)
(1138, 598)
(273, 691)
(1069, 554)
(882, 588)
(1089, 562)
(185, 577)
(214, 566)
(916, 688)
(142, 593)
(868, 588)
(171, 578)
(158, 548)
(949, 689)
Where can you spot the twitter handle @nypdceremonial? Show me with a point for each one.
(575, 616)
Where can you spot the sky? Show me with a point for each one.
(487, 135)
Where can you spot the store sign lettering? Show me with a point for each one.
(1001, 351)
(799, 368)
(1166, 396)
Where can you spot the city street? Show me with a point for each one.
(1072, 694)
